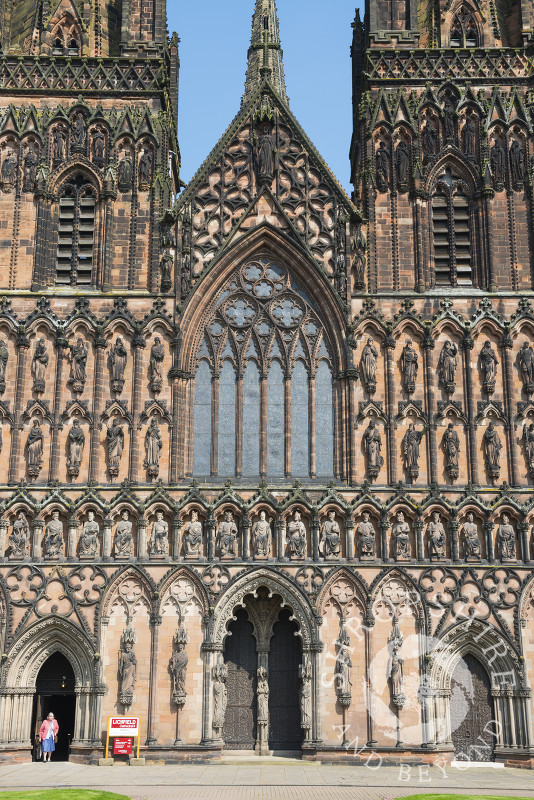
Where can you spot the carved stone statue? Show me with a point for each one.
(125, 173)
(159, 538)
(469, 137)
(178, 665)
(395, 668)
(262, 693)
(429, 137)
(227, 536)
(124, 536)
(366, 538)
(528, 439)
(368, 366)
(262, 537)
(403, 163)
(451, 448)
(155, 368)
(78, 365)
(153, 447)
(75, 446)
(115, 440)
(54, 538)
(330, 538)
(449, 115)
(34, 449)
(437, 539)
(20, 538)
(127, 668)
(59, 145)
(79, 132)
(488, 366)
(29, 170)
(409, 367)
(526, 367)
(471, 539)
(401, 538)
(89, 538)
(145, 170)
(99, 147)
(305, 673)
(382, 167)
(39, 365)
(193, 537)
(342, 672)
(165, 267)
(492, 445)
(296, 537)
(447, 366)
(498, 162)
(9, 169)
(517, 163)
(372, 444)
(506, 539)
(117, 364)
(265, 155)
(220, 695)
(4, 358)
(411, 445)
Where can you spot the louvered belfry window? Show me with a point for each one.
(451, 232)
(76, 234)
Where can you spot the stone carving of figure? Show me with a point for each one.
(59, 145)
(89, 537)
(409, 366)
(366, 537)
(127, 668)
(145, 169)
(53, 540)
(9, 168)
(39, 365)
(492, 445)
(358, 248)
(115, 440)
(368, 366)
(411, 445)
(401, 538)
(403, 163)
(34, 447)
(4, 357)
(159, 538)
(227, 536)
(75, 446)
(19, 538)
(447, 366)
(517, 163)
(449, 115)
(265, 154)
(437, 539)
(220, 694)
(330, 539)
(155, 368)
(488, 365)
(342, 671)
(99, 146)
(296, 537)
(117, 363)
(506, 539)
(372, 444)
(165, 266)
(262, 537)
(382, 167)
(30, 170)
(79, 131)
(471, 539)
(430, 139)
(528, 439)
(526, 366)
(153, 447)
(306, 695)
(78, 365)
(469, 137)
(395, 674)
(262, 692)
(193, 537)
(179, 662)
(498, 161)
(124, 536)
(125, 173)
(451, 447)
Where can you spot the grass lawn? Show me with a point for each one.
(62, 794)
(460, 797)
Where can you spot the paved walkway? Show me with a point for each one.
(276, 781)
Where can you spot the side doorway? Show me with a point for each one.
(54, 692)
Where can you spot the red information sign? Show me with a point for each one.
(122, 747)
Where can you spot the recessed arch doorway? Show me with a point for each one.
(55, 692)
(473, 725)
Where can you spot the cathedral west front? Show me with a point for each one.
(267, 451)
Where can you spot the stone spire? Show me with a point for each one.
(265, 53)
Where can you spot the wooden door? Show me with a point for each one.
(285, 657)
(472, 712)
(241, 658)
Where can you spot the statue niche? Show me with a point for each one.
(192, 538)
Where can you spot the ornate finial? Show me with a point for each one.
(265, 53)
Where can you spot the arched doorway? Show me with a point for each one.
(473, 725)
(241, 659)
(285, 657)
(54, 691)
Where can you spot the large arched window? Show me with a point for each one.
(451, 227)
(76, 233)
(464, 30)
(263, 385)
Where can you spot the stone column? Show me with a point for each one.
(38, 525)
(98, 398)
(488, 532)
(210, 525)
(428, 345)
(389, 344)
(4, 526)
(106, 537)
(467, 345)
(177, 524)
(245, 533)
(384, 543)
(315, 536)
(280, 539)
(142, 525)
(23, 345)
(138, 344)
(61, 345)
(155, 622)
(369, 624)
(419, 547)
(454, 527)
(509, 392)
(522, 527)
(349, 538)
(72, 539)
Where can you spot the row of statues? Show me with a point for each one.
(330, 539)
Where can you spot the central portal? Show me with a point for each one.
(263, 643)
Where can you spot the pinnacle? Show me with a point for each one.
(265, 56)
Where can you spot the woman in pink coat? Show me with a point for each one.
(47, 734)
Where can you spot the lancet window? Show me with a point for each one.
(264, 394)
(452, 232)
(76, 232)
(66, 38)
(464, 30)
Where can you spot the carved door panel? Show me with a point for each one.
(239, 732)
(285, 657)
(472, 712)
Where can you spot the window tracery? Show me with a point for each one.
(263, 387)
(464, 30)
(66, 38)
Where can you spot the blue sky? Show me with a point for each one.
(316, 38)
